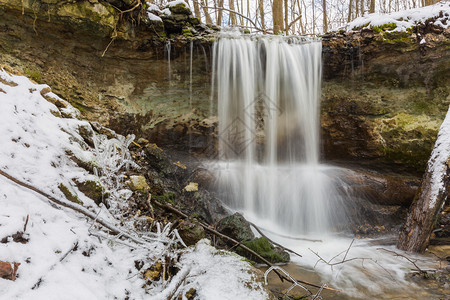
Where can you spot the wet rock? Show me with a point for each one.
(159, 160)
(204, 205)
(236, 227)
(191, 232)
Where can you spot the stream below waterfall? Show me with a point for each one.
(268, 90)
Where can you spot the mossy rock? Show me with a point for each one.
(93, 190)
(191, 232)
(264, 248)
(236, 227)
(180, 9)
(186, 32)
(194, 21)
(69, 196)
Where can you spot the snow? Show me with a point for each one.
(176, 2)
(437, 164)
(406, 18)
(153, 11)
(36, 145)
(153, 17)
(166, 11)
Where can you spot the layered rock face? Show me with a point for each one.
(384, 94)
(121, 69)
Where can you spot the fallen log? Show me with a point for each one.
(430, 197)
(170, 208)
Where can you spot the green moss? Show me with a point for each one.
(80, 106)
(264, 248)
(194, 21)
(385, 27)
(94, 190)
(186, 32)
(409, 139)
(69, 195)
(358, 27)
(166, 198)
(34, 75)
(180, 9)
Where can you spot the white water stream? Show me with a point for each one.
(268, 101)
(268, 91)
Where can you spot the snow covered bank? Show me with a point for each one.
(68, 256)
(405, 19)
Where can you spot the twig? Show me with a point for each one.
(107, 47)
(215, 232)
(68, 252)
(348, 260)
(339, 262)
(348, 249)
(26, 223)
(405, 257)
(294, 281)
(290, 237)
(276, 244)
(234, 12)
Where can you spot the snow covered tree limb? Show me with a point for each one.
(75, 207)
(431, 196)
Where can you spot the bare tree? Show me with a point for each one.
(232, 15)
(349, 18)
(277, 12)
(196, 9)
(261, 14)
(286, 20)
(372, 6)
(205, 12)
(324, 15)
(220, 13)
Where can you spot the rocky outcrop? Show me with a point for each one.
(383, 99)
(121, 69)
(385, 94)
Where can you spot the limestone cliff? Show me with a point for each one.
(384, 94)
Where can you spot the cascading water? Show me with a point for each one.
(268, 167)
(268, 107)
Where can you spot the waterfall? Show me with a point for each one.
(268, 91)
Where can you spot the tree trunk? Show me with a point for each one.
(431, 196)
(219, 15)
(286, 17)
(205, 11)
(372, 6)
(349, 18)
(277, 12)
(261, 14)
(232, 15)
(325, 22)
(196, 9)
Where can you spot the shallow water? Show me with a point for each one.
(370, 272)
